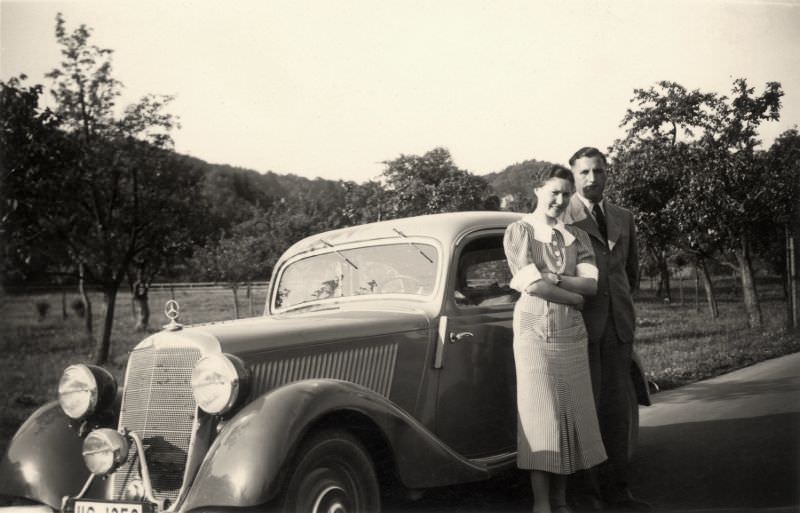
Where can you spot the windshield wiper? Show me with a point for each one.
(354, 266)
(414, 245)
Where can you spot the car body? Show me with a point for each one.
(383, 360)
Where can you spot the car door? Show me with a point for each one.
(476, 400)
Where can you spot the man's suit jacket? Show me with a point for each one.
(618, 264)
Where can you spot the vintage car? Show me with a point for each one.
(383, 362)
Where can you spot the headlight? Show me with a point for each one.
(84, 389)
(103, 450)
(217, 382)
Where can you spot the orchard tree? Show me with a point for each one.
(742, 191)
(432, 183)
(122, 196)
(646, 177)
(725, 193)
(235, 260)
(783, 159)
(31, 145)
(651, 166)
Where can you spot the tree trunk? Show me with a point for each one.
(235, 288)
(250, 298)
(791, 280)
(103, 346)
(87, 303)
(140, 299)
(663, 291)
(708, 285)
(749, 293)
(63, 305)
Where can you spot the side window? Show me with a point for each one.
(483, 275)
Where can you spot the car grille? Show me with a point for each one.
(159, 406)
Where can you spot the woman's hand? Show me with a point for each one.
(551, 278)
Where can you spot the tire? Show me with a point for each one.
(332, 473)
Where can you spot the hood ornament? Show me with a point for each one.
(172, 310)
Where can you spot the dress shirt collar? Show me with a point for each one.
(590, 204)
(543, 232)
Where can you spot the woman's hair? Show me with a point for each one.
(551, 171)
(543, 175)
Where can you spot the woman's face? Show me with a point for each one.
(553, 196)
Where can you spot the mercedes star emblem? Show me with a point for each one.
(172, 310)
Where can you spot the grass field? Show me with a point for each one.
(677, 343)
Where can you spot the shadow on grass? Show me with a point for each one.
(692, 332)
(718, 391)
(735, 463)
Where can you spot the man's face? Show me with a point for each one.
(590, 177)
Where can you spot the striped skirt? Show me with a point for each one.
(558, 430)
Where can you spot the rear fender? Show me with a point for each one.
(243, 466)
(44, 462)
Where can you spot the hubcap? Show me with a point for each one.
(332, 499)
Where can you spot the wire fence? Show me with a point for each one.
(43, 288)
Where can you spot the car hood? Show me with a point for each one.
(302, 329)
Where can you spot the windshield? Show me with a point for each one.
(398, 268)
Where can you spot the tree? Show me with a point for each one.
(651, 166)
(513, 184)
(783, 161)
(122, 197)
(240, 258)
(31, 145)
(743, 191)
(432, 183)
(725, 193)
(646, 178)
(363, 203)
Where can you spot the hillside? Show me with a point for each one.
(513, 184)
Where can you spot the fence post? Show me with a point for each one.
(791, 275)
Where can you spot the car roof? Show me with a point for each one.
(443, 227)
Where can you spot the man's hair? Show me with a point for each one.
(587, 151)
(551, 171)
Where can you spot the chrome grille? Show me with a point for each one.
(370, 367)
(159, 406)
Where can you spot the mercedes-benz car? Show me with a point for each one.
(383, 363)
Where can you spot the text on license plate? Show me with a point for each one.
(108, 507)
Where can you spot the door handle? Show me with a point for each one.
(455, 337)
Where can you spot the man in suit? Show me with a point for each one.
(610, 321)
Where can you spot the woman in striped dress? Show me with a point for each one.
(553, 268)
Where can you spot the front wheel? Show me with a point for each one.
(332, 473)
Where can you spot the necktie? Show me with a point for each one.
(601, 221)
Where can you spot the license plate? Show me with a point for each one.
(83, 506)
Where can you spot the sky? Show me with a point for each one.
(333, 89)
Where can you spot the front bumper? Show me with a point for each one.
(33, 508)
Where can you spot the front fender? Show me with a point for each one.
(243, 465)
(44, 462)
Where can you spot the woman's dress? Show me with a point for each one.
(558, 429)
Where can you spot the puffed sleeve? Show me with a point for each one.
(516, 243)
(586, 267)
